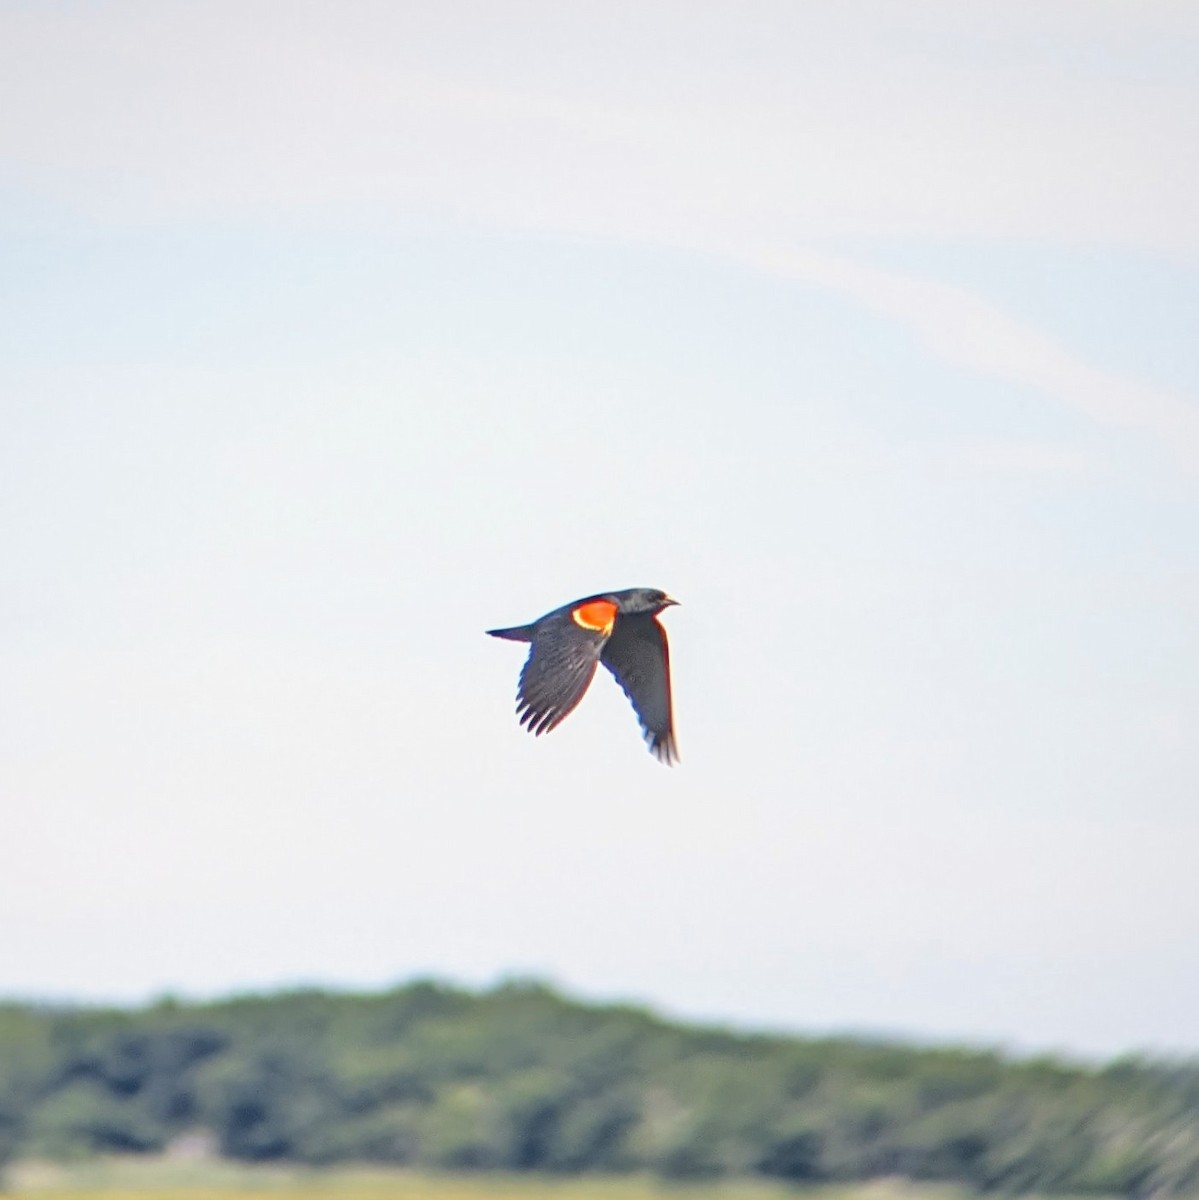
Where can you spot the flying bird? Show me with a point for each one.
(618, 629)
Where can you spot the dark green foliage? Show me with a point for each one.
(519, 1078)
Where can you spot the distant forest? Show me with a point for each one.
(521, 1079)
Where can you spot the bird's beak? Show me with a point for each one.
(667, 601)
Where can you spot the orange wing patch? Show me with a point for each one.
(598, 617)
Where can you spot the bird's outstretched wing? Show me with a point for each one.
(637, 654)
(560, 665)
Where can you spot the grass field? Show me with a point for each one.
(120, 1179)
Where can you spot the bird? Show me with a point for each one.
(619, 629)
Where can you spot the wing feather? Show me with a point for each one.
(638, 656)
(555, 676)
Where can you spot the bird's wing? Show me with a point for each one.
(637, 654)
(560, 665)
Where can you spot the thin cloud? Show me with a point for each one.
(1027, 458)
(896, 126)
(960, 327)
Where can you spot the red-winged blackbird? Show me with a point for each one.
(618, 629)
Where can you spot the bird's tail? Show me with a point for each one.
(518, 633)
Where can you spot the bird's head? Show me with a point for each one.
(642, 600)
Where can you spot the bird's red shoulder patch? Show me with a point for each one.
(598, 616)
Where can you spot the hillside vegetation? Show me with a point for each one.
(521, 1079)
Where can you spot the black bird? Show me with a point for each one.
(618, 629)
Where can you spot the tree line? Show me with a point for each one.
(520, 1078)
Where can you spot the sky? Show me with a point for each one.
(333, 334)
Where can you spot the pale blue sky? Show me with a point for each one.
(332, 335)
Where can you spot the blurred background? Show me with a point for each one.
(332, 335)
